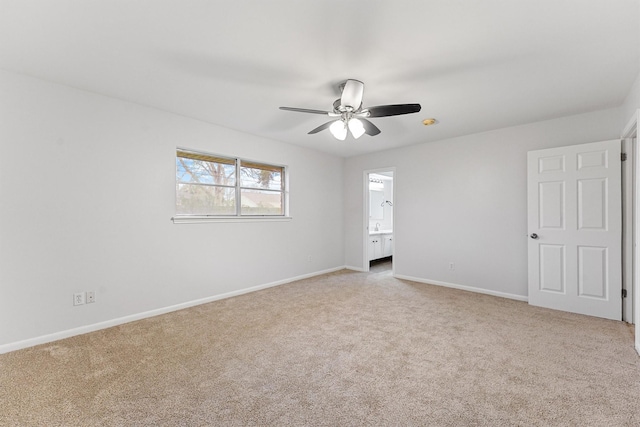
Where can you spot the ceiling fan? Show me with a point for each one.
(349, 114)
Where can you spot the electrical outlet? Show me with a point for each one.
(451, 266)
(91, 297)
(309, 258)
(78, 298)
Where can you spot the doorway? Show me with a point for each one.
(626, 211)
(379, 229)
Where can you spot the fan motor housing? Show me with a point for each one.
(339, 108)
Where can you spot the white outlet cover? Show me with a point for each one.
(78, 298)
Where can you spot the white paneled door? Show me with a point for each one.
(575, 229)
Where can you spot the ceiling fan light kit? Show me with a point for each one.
(350, 116)
(339, 130)
(356, 128)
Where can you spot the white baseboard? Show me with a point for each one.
(464, 288)
(351, 267)
(6, 348)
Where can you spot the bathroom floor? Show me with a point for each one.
(380, 265)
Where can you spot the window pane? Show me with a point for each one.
(190, 170)
(261, 176)
(194, 199)
(257, 202)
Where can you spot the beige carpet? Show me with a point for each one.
(343, 349)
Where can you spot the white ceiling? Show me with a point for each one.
(473, 65)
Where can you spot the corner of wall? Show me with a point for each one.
(631, 103)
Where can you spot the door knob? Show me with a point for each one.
(534, 236)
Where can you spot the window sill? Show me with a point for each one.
(194, 219)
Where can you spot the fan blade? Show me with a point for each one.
(369, 128)
(305, 110)
(393, 110)
(352, 94)
(321, 127)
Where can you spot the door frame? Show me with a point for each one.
(631, 131)
(365, 216)
(628, 229)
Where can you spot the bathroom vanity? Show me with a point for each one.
(380, 244)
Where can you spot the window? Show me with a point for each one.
(210, 185)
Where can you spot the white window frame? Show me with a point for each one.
(238, 217)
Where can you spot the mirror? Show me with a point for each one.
(376, 199)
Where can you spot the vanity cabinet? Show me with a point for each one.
(380, 246)
(375, 247)
(387, 245)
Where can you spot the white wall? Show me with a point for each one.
(631, 103)
(463, 200)
(87, 192)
